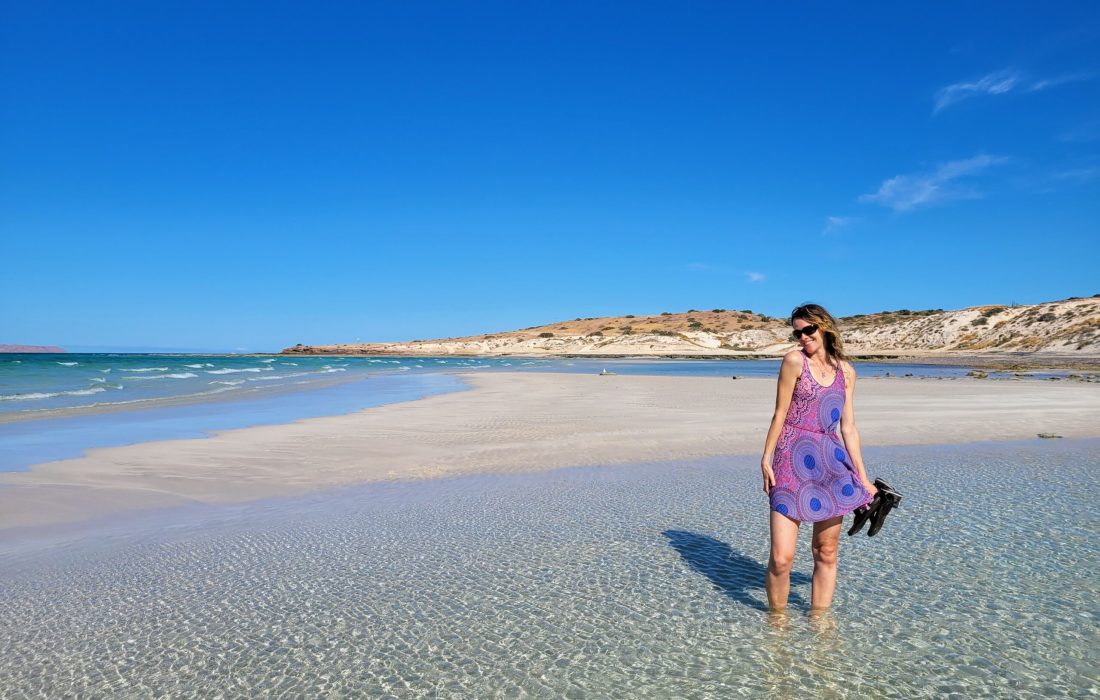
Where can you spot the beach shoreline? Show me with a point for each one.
(511, 422)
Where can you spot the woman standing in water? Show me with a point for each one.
(810, 472)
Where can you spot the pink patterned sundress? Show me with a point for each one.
(814, 478)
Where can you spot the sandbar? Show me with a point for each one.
(511, 422)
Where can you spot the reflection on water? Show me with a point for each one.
(632, 581)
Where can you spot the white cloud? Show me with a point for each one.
(905, 192)
(1055, 82)
(835, 223)
(999, 83)
(996, 83)
(755, 276)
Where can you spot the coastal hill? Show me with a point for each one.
(1067, 327)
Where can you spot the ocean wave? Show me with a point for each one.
(101, 380)
(229, 370)
(143, 369)
(68, 364)
(289, 364)
(227, 382)
(200, 365)
(106, 371)
(219, 390)
(271, 360)
(176, 375)
(50, 395)
(294, 374)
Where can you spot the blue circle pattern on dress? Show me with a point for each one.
(829, 410)
(806, 459)
(784, 501)
(847, 494)
(836, 459)
(815, 502)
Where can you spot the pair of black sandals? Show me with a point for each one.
(885, 500)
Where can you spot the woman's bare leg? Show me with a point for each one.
(777, 581)
(825, 543)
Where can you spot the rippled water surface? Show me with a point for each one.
(627, 581)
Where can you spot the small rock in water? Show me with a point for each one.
(977, 374)
(1049, 435)
(734, 377)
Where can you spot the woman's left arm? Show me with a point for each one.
(848, 429)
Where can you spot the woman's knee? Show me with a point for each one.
(781, 563)
(825, 553)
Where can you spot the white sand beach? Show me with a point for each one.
(514, 422)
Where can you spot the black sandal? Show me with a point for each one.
(890, 499)
(862, 514)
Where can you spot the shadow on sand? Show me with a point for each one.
(732, 573)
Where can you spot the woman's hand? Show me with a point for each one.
(871, 488)
(767, 473)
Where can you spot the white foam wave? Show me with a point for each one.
(143, 369)
(106, 371)
(219, 390)
(271, 360)
(176, 375)
(101, 380)
(200, 365)
(227, 382)
(230, 370)
(294, 374)
(289, 364)
(50, 395)
(68, 364)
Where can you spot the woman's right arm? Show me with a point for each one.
(789, 371)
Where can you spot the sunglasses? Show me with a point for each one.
(808, 329)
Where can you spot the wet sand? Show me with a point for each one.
(519, 422)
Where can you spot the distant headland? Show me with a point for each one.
(30, 348)
(1069, 328)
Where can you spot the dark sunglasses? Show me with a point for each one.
(808, 329)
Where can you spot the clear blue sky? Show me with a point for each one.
(227, 175)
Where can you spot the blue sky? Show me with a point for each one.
(227, 176)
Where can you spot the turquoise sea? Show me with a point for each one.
(55, 406)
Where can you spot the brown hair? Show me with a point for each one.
(817, 315)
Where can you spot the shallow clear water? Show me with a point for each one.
(29, 442)
(626, 581)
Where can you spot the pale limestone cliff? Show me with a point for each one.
(1070, 326)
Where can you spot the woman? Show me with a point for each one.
(811, 473)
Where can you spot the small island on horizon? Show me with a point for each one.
(31, 349)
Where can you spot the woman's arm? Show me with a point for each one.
(789, 371)
(848, 430)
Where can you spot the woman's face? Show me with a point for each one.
(810, 342)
